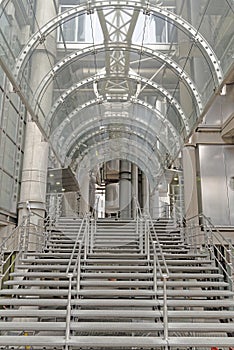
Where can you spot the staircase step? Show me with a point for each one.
(111, 314)
(117, 284)
(119, 293)
(138, 327)
(103, 303)
(118, 275)
(115, 341)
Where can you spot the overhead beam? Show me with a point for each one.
(199, 40)
(125, 47)
(98, 77)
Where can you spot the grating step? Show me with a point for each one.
(120, 293)
(114, 327)
(115, 341)
(149, 303)
(115, 284)
(111, 314)
(118, 275)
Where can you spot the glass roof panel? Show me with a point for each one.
(132, 47)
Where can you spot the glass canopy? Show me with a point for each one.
(94, 72)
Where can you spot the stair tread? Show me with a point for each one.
(116, 302)
(117, 275)
(117, 326)
(121, 293)
(102, 283)
(113, 341)
(222, 314)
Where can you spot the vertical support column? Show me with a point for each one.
(134, 188)
(190, 181)
(145, 193)
(34, 172)
(125, 192)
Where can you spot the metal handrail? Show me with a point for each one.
(19, 244)
(147, 220)
(150, 223)
(210, 233)
(78, 238)
(3, 243)
(82, 239)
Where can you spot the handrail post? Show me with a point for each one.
(146, 232)
(92, 235)
(141, 235)
(86, 240)
(78, 271)
(68, 315)
(155, 269)
(165, 310)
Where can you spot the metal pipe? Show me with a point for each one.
(86, 241)
(78, 270)
(68, 315)
(155, 270)
(76, 242)
(165, 310)
(141, 235)
(92, 235)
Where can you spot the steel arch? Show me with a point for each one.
(82, 136)
(146, 8)
(133, 154)
(58, 132)
(133, 77)
(103, 47)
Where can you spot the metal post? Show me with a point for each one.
(141, 236)
(92, 235)
(68, 315)
(78, 268)
(86, 240)
(165, 311)
(155, 269)
(147, 250)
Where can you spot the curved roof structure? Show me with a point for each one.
(139, 71)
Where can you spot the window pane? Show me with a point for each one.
(81, 29)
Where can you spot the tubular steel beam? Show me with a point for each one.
(142, 6)
(137, 78)
(111, 47)
(59, 131)
(91, 124)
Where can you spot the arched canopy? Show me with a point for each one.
(120, 76)
(145, 114)
(91, 131)
(142, 6)
(75, 56)
(74, 89)
(107, 150)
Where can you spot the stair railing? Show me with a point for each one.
(161, 265)
(93, 224)
(200, 233)
(11, 245)
(27, 236)
(145, 227)
(81, 245)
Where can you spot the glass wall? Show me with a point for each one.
(217, 183)
(12, 122)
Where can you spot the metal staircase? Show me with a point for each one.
(116, 284)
